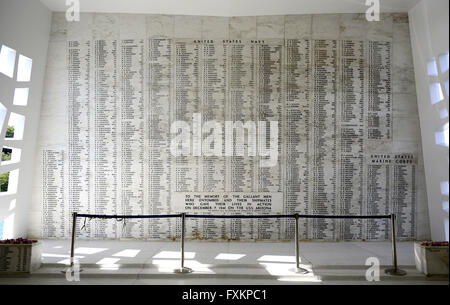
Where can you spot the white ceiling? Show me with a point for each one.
(231, 7)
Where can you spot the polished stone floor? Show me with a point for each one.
(252, 263)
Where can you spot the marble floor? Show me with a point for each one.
(249, 263)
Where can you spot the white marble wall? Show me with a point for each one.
(54, 128)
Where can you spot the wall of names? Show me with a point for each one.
(342, 102)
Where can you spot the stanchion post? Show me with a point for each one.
(72, 246)
(297, 268)
(182, 268)
(297, 258)
(395, 270)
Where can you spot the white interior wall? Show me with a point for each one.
(24, 27)
(429, 37)
(230, 8)
(55, 107)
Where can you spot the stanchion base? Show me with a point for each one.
(396, 272)
(70, 269)
(183, 270)
(299, 270)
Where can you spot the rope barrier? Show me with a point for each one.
(393, 271)
(127, 216)
(239, 216)
(347, 216)
(236, 216)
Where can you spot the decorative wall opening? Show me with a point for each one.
(15, 128)
(443, 62)
(432, 68)
(7, 61)
(24, 69)
(10, 155)
(436, 94)
(12, 131)
(444, 188)
(442, 136)
(9, 182)
(446, 86)
(21, 96)
(7, 227)
(3, 112)
(443, 113)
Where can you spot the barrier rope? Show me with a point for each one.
(123, 217)
(393, 271)
(346, 216)
(239, 216)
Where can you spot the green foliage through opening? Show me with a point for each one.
(4, 179)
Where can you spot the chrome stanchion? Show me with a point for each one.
(72, 246)
(297, 268)
(395, 270)
(182, 268)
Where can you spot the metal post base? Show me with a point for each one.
(183, 270)
(299, 270)
(396, 272)
(71, 270)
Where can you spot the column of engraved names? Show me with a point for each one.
(270, 108)
(324, 137)
(132, 135)
(378, 195)
(105, 133)
(351, 135)
(186, 171)
(159, 119)
(241, 110)
(404, 194)
(54, 209)
(379, 112)
(297, 132)
(79, 112)
(213, 70)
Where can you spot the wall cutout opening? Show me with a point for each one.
(444, 188)
(443, 113)
(446, 86)
(446, 229)
(10, 155)
(445, 206)
(7, 61)
(24, 69)
(2, 225)
(443, 62)
(16, 124)
(12, 205)
(442, 136)
(21, 96)
(3, 111)
(432, 68)
(9, 182)
(436, 93)
(4, 182)
(7, 227)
